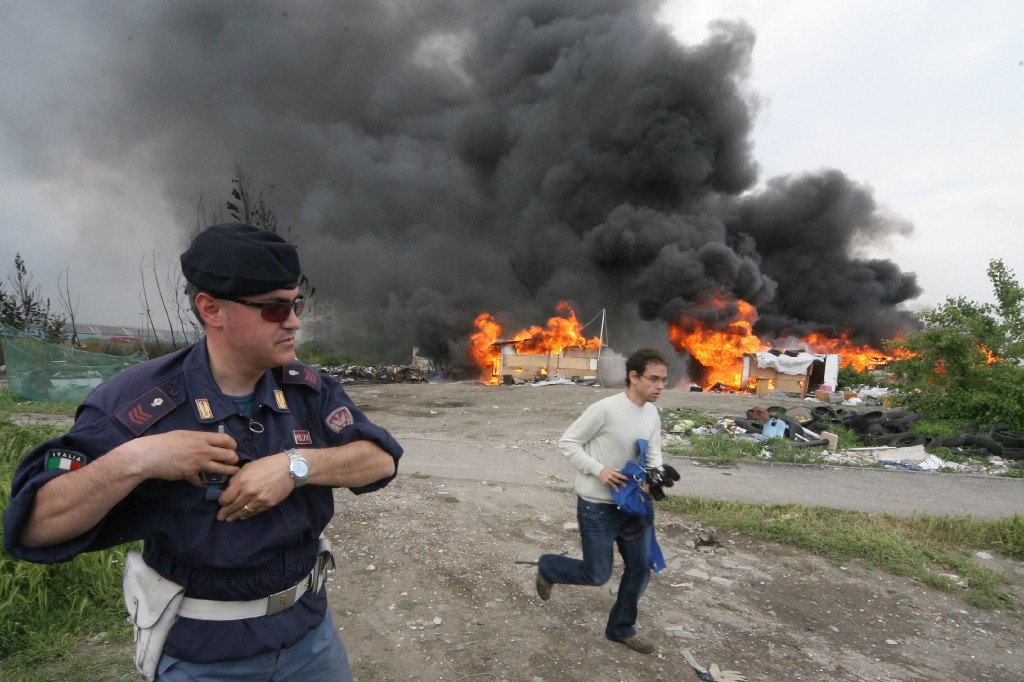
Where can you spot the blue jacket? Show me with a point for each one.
(183, 541)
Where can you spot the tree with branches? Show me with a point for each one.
(965, 364)
(23, 306)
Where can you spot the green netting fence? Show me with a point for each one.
(44, 371)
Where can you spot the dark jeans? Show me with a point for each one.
(601, 527)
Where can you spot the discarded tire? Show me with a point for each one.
(813, 443)
(906, 440)
(749, 425)
(973, 442)
(795, 427)
(1002, 434)
(1013, 453)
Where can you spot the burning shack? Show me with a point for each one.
(560, 349)
(726, 358)
(578, 364)
(788, 371)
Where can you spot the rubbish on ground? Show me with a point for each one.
(712, 673)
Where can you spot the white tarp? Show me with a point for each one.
(787, 364)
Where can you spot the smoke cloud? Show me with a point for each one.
(438, 159)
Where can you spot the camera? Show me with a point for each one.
(659, 478)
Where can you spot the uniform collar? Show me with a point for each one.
(209, 403)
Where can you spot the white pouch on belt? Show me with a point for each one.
(152, 603)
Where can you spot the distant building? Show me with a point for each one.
(320, 322)
(119, 334)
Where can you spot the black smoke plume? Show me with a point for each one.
(443, 158)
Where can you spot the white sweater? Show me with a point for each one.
(605, 435)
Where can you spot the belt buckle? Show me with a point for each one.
(281, 600)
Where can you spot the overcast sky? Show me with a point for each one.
(922, 101)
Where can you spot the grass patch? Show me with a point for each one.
(725, 448)
(47, 611)
(722, 448)
(921, 547)
(11, 402)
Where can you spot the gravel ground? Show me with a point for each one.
(429, 587)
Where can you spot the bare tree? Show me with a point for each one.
(249, 207)
(161, 298)
(532, 272)
(64, 293)
(187, 322)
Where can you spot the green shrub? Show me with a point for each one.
(46, 609)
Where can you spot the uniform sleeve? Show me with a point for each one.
(586, 426)
(91, 437)
(345, 423)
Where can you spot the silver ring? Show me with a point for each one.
(246, 508)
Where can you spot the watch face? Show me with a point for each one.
(300, 468)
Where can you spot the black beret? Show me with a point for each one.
(233, 259)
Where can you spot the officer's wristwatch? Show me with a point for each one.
(298, 467)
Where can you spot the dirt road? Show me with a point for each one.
(428, 588)
(506, 434)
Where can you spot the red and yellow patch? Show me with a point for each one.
(339, 419)
(142, 412)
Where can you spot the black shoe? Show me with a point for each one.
(543, 587)
(637, 643)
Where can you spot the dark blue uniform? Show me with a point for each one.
(296, 407)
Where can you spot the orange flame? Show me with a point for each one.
(561, 333)
(990, 357)
(482, 350)
(721, 351)
(861, 358)
(901, 353)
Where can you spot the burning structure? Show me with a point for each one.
(561, 349)
(733, 359)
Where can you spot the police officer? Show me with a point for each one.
(222, 457)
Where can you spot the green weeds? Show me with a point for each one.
(923, 547)
(47, 610)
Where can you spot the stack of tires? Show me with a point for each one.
(895, 429)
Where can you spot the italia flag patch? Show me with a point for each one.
(64, 459)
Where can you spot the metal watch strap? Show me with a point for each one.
(293, 455)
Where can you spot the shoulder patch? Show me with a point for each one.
(69, 460)
(142, 412)
(339, 419)
(298, 373)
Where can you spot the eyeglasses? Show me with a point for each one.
(655, 380)
(274, 311)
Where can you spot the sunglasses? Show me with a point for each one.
(276, 311)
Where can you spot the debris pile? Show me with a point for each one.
(887, 435)
(377, 374)
(871, 396)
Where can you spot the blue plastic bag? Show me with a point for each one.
(774, 428)
(630, 496)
